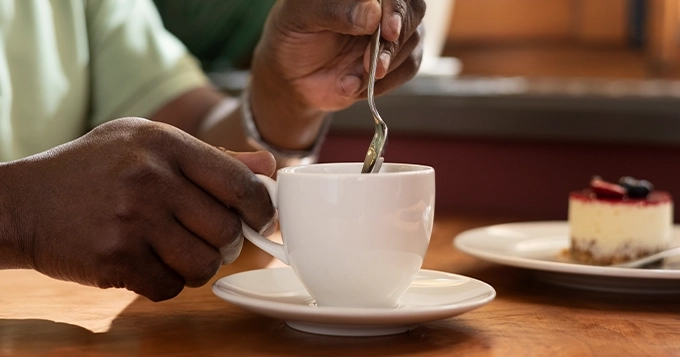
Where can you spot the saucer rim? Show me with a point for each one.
(354, 315)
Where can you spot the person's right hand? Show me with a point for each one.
(135, 204)
(313, 58)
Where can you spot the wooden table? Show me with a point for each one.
(41, 316)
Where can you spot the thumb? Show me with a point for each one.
(351, 17)
(260, 162)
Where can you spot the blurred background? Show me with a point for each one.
(517, 102)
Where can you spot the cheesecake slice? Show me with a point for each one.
(615, 224)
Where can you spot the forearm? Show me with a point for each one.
(190, 111)
(226, 130)
(219, 120)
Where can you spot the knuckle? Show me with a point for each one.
(148, 134)
(154, 137)
(126, 208)
(418, 7)
(400, 7)
(122, 125)
(132, 133)
(412, 15)
(391, 47)
(330, 9)
(140, 167)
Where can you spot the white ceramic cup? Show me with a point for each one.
(354, 240)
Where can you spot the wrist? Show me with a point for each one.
(282, 117)
(15, 247)
(284, 157)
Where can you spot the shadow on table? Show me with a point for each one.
(184, 327)
(232, 329)
(36, 337)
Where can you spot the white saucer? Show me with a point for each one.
(278, 293)
(540, 246)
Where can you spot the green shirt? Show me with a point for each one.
(69, 65)
(220, 33)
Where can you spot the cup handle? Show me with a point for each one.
(273, 248)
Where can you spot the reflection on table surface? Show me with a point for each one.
(41, 316)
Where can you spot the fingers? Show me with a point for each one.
(232, 250)
(394, 79)
(394, 12)
(400, 20)
(155, 280)
(350, 17)
(129, 261)
(189, 256)
(203, 215)
(404, 65)
(228, 180)
(260, 162)
(208, 219)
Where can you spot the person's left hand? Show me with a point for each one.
(314, 56)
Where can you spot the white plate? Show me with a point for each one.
(278, 293)
(540, 246)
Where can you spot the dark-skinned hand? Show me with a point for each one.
(134, 204)
(315, 54)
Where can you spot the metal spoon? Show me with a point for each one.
(649, 259)
(376, 150)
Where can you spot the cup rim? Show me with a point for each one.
(415, 169)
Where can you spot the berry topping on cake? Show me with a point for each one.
(604, 189)
(636, 188)
(627, 187)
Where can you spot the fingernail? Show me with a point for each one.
(359, 16)
(232, 251)
(364, 15)
(385, 60)
(271, 226)
(350, 85)
(271, 229)
(395, 23)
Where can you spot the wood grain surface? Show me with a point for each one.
(45, 317)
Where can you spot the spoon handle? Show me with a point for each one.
(373, 159)
(649, 259)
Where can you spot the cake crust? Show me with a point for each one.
(582, 251)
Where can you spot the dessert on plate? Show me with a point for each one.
(613, 223)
